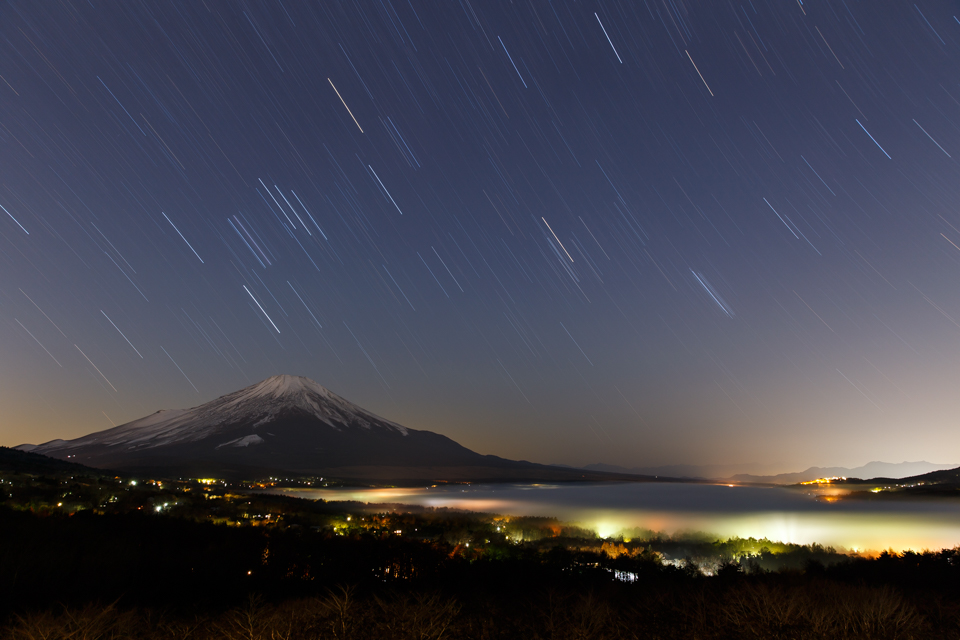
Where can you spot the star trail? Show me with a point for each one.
(639, 233)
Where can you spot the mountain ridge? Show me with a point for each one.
(292, 425)
(258, 404)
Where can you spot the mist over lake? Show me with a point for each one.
(776, 513)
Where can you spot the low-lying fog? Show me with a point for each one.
(787, 515)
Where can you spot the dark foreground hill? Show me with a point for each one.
(289, 425)
(934, 485)
(30, 463)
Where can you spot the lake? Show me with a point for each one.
(776, 513)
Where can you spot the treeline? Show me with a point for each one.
(170, 577)
(757, 608)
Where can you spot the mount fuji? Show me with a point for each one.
(290, 425)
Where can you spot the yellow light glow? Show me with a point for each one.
(825, 480)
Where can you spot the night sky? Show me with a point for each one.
(631, 232)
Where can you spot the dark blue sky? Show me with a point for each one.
(637, 232)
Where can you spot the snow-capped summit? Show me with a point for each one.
(255, 407)
(288, 393)
(290, 425)
(281, 424)
(280, 395)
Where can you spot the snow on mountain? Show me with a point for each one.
(257, 405)
(245, 441)
(292, 425)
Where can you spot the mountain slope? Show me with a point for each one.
(289, 425)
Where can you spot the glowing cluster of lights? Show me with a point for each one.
(826, 480)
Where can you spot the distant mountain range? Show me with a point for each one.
(690, 471)
(292, 426)
(870, 470)
(720, 473)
